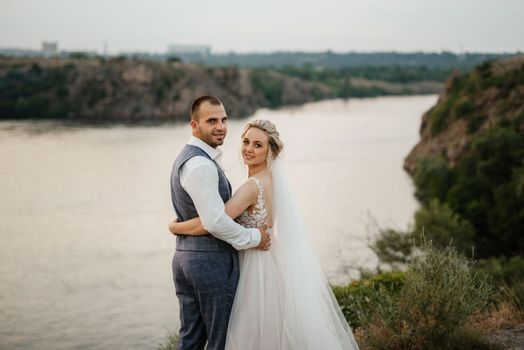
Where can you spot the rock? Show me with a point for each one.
(490, 95)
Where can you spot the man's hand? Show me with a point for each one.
(265, 238)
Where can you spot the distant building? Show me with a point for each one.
(189, 50)
(49, 48)
(16, 52)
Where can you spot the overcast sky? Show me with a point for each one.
(266, 25)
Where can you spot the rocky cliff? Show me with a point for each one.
(491, 95)
(132, 90)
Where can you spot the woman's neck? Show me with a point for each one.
(255, 169)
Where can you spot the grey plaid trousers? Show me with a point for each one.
(205, 284)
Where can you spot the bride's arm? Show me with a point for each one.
(243, 198)
(191, 227)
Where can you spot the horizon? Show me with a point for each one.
(269, 52)
(118, 26)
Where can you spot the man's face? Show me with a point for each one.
(212, 124)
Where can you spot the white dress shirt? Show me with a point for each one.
(199, 177)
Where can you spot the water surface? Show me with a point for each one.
(85, 252)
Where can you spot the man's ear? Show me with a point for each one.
(194, 125)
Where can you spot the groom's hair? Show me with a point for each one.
(195, 106)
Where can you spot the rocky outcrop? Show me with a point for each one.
(133, 90)
(491, 95)
(126, 90)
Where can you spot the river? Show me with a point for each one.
(85, 252)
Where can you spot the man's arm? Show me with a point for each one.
(199, 177)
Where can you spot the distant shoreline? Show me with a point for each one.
(133, 91)
(103, 123)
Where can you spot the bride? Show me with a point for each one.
(283, 300)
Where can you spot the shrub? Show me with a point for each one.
(444, 227)
(502, 269)
(432, 178)
(474, 122)
(468, 339)
(393, 247)
(440, 115)
(78, 55)
(437, 222)
(174, 59)
(355, 298)
(439, 293)
(515, 295)
(485, 69)
(270, 85)
(317, 93)
(462, 108)
(484, 190)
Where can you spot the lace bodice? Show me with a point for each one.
(258, 216)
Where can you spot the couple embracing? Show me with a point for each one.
(245, 274)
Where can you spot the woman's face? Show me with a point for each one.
(255, 145)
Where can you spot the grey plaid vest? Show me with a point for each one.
(185, 208)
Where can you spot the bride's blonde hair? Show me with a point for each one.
(275, 144)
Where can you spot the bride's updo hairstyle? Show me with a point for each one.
(275, 144)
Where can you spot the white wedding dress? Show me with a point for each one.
(283, 301)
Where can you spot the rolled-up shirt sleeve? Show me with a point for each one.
(199, 177)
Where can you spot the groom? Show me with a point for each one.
(205, 268)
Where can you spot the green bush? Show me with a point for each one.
(503, 269)
(474, 122)
(439, 293)
(469, 339)
(444, 227)
(441, 115)
(389, 73)
(31, 92)
(508, 275)
(355, 298)
(485, 191)
(78, 55)
(485, 69)
(173, 59)
(436, 222)
(462, 108)
(393, 247)
(270, 85)
(432, 178)
(515, 295)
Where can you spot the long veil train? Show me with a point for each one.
(312, 316)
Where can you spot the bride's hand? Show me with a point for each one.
(265, 238)
(171, 227)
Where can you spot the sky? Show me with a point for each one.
(264, 26)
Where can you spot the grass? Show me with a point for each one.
(439, 294)
(170, 343)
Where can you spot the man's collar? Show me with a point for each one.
(213, 153)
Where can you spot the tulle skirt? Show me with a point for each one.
(257, 315)
(263, 317)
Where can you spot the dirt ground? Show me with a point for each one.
(511, 337)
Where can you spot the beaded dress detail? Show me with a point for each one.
(258, 216)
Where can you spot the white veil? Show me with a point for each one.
(311, 309)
